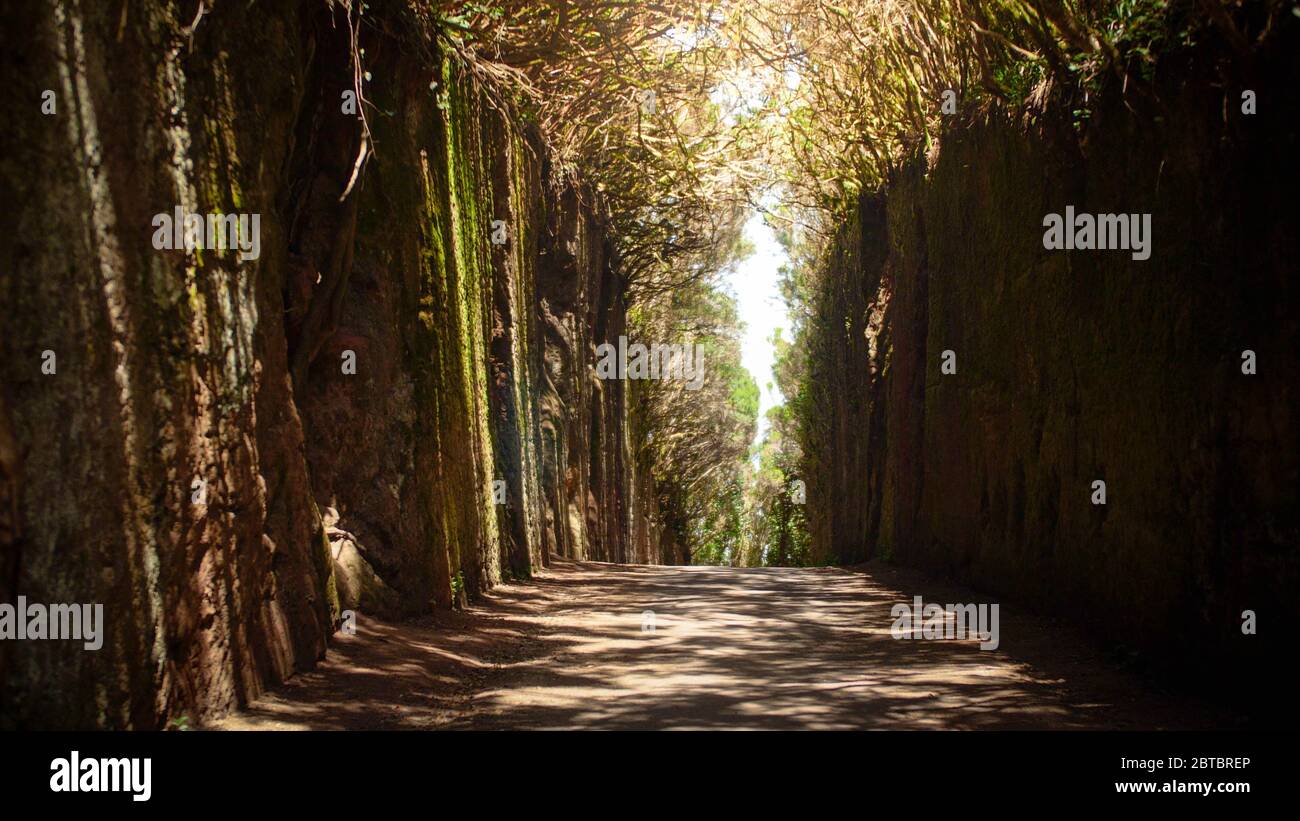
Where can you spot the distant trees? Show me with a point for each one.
(699, 440)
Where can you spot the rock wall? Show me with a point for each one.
(1078, 366)
(232, 450)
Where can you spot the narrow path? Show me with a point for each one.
(732, 647)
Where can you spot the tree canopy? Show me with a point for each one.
(684, 116)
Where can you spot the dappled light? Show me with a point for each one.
(772, 649)
(608, 364)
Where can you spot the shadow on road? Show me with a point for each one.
(769, 648)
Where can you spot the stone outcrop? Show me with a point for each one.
(381, 359)
(1081, 366)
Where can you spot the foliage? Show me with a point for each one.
(698, 439)
(872, 80)
(776, 533)
(684, 114)
(623, 93)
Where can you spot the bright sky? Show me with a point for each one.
(758, 300)
(754, 280)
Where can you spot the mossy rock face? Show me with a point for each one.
(472, 359)
(1074, 367)
(172, 369)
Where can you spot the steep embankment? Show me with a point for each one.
(227, 450)
(1079, 366)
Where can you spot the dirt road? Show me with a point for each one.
(755, 648)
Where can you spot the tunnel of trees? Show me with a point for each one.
(304, 306)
